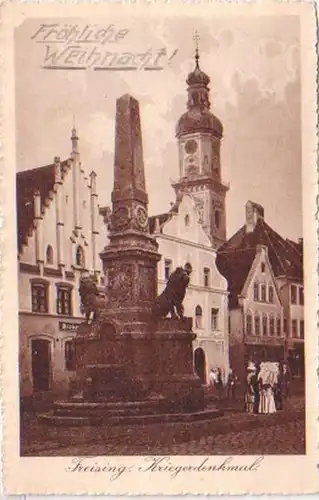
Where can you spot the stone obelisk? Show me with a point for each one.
(130, 259)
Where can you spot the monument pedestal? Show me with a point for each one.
(131, 366)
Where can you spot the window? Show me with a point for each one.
(79, 257)
(39, 292)
(301, 297)
(187, 220)
(293, 293)
(69, 355)
(206, 276)
(263, 293)
(256, 292)
(249, 324)
(49, 255)
(217, 219)
(64, 300)
(285, 325)
(278, 327)
(214, 319)
(271, 294)
(294, 328)
(302, 329)
(265, 325)
(272, 326)
(198, 317)
(263, 267)
(167, 268)
(257, 325)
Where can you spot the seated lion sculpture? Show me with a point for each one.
(91, 300)
(170, 301)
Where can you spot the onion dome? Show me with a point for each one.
(198, 118)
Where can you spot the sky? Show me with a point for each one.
(254, 67)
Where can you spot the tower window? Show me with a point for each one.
(49, 255)
(80, 257)
(263, 267)
(214, 319)
(198, 317)
(167, 268)
(217, 219)
(187, 220)
(206, 276)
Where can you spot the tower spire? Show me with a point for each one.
(196, 39)
(74, 137)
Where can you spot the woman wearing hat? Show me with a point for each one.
(251, 383)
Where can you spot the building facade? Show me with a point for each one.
(265, 284)
(59, 237)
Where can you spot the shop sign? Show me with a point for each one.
(65, 326)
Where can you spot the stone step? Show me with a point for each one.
(127, 419)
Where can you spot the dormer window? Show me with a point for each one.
(263, 267)
(187, 220)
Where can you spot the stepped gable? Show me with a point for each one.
(235, 257)
(28, 183)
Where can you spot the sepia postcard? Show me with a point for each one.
(159, 248)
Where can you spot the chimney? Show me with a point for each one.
(254, 211)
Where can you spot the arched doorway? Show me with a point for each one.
(200, 364)
(41, 364)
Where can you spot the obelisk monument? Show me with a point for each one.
(130, 259)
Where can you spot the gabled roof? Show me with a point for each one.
(29, 182)
(235, 257)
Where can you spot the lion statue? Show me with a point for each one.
(91, 299)
(170, 301)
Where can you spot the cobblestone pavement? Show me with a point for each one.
(233, 433)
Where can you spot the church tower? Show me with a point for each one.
(199, 135)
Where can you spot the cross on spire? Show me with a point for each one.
(196, 39)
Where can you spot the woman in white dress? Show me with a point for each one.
(268, 377)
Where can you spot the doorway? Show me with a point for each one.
(41, 364)
(200, 364)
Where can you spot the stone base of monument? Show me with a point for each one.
(130, 377)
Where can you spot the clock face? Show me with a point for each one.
(191, 146)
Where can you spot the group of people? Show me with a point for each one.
(216, 383)
(267, 387)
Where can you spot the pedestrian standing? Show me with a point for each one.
(212, 379)
(250, 392)
(231, 385)
(219, 383)
(284, 384)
